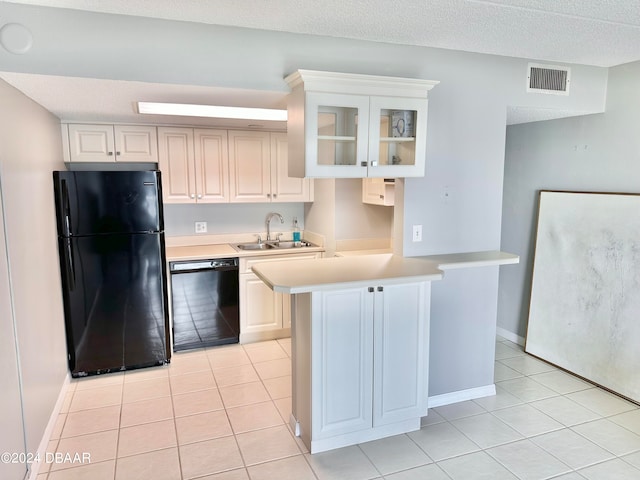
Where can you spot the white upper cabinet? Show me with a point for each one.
(218, 166)
(285, 188)
(345, 125)
(194, 165)
(211, 165)
(250, 166)
(112, 143)
(258, 163)
(177, 165)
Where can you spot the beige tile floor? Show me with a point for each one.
(220, 414)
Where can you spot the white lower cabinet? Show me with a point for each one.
(360, 363)
(264, 314)
(342, 362)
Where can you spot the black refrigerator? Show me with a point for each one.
(113, 269)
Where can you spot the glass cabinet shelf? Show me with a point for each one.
(336, 138)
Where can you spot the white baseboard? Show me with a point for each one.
(512, 337)
(252, 337)
(461, 395)
(44, 441)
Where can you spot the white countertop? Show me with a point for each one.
(303, 276)
(472, 259)
(373, 251)
(198, 252)
(450, 261)
(361, 269)
(225, 250)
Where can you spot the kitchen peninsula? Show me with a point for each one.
(360, 341)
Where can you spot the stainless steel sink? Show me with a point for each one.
(254, 246)
(288, 244)
(281, 245)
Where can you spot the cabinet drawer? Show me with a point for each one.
(248, 262)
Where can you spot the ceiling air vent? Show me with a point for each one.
(548, 79)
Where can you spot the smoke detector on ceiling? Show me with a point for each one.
(551, 79)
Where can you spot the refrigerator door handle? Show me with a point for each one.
(66, 209)
(71, 268)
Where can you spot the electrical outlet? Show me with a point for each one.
(201, 227)
(417, 233)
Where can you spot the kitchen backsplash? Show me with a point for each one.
(179, 220)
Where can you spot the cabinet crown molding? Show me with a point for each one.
(353, 83)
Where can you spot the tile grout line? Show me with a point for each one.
(175, 427)
(224, 406)
(115, 463)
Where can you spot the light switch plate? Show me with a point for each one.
(201, 227)
(417, 233)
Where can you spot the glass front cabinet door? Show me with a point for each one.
(347, 130)
(397, 140)
(337, 128)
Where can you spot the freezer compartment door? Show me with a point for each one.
(90, 203)
(114, 298)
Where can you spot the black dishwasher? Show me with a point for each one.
(204, 303)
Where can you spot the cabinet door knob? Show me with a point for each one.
(117, 153)
(380, 289)
(199, 195)
(109, 153)
(374, 164)
(275, 195)
(192, 195)
(381, 197)
(370, 289)
(268, 195)
(363, 164)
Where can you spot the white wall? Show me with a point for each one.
(11, 422)
(356, 220)
(598, 153)
(30, 149)
(466, 126)
(320, 216)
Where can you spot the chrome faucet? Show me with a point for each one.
(269, 217)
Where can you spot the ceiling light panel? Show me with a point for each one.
(212, 111)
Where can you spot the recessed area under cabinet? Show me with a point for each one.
(220, 166)
(345, 125)
(109, 143)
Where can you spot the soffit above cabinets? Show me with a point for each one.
(74, 100)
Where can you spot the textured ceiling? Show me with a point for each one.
(590, 32)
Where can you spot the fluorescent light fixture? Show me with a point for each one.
(189, 110)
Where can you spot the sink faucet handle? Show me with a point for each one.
(259, 238)
(278, 237)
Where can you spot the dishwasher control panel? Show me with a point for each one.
(192, 265)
